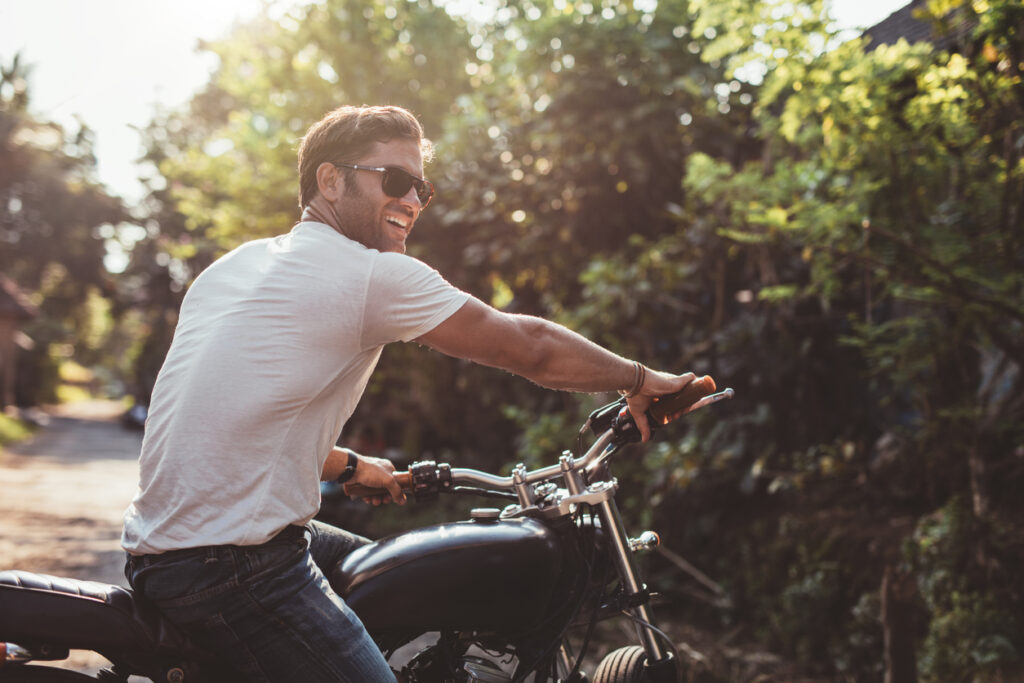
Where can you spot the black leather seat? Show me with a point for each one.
(38, 609)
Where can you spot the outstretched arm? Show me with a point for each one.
(549, 354)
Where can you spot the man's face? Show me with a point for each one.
(371, 217)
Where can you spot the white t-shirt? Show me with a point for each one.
(274, 346)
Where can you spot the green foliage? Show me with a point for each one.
(540, 436)
(967, 641)
(807, 603)
(53, 217)
(13, 430)
(856, 654)
(50, 203)
(973, 632)
(573, 140)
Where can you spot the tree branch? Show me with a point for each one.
(961, 284)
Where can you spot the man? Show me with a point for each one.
(274, 346)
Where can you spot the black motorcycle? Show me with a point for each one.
(488, 599)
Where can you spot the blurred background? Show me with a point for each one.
(827, 220)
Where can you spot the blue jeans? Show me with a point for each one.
(266, 611)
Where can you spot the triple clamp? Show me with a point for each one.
(594, 494)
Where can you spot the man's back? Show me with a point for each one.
(274, 346)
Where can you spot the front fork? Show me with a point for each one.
(660, 664)
(622, 555)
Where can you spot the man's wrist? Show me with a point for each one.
(639, 375)
(350, 467)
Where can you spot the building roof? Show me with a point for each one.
(903, 24)
(14, 303)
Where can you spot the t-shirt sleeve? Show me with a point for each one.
(405, 299)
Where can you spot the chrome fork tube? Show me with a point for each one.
(565, 659)
(611, 522)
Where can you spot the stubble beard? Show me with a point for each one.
(356, 220)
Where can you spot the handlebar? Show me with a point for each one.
(404, 480)
(669, 408)
(612, 423)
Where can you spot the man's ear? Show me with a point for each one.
(330, 181)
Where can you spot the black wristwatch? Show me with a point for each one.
(350, 468)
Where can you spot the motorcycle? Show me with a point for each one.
(489, 599)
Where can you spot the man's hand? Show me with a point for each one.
(655, 384)
(378, 473)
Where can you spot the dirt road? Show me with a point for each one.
(62, 495)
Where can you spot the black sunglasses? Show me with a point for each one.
(396, 182)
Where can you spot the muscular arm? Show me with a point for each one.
(546, 353)
(541, 351)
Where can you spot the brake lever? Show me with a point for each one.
(711, 398)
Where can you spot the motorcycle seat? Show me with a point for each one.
(37, 609)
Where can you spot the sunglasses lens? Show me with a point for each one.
(424, 191)
(396, 183)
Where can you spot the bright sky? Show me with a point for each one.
(109, 62)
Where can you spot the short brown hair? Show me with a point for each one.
(346, 134)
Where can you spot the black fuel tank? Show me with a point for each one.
(495, 575)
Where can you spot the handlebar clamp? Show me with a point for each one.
(625, 427)
(601, 419)
(615, 416)
(429, 479)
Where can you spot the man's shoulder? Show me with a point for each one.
(400, 276)
(397, 260)
(404, 275)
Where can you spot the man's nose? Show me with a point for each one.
(412, 199)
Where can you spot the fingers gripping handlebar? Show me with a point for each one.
(665, 409)
(424, 481)
(668, 408)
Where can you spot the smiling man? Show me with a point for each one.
(274, 346)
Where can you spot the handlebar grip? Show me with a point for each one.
(404, 480)
(667, 408)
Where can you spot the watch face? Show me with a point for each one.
(346, 474)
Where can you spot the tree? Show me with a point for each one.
(52, 218)
(882, 222)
